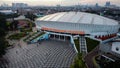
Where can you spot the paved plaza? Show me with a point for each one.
(46, 54)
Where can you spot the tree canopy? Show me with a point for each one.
(30, 16)
(3, 30)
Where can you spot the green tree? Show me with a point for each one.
(3, 30)
(31, 16)
(3, 42)
(3, 23)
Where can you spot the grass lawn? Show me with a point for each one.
(78, 62)
(76, 41)
(91, 44)
(17, 36)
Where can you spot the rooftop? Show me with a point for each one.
(6, 11)
(78, 17)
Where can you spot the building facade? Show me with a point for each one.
(79, 23)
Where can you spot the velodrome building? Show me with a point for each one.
(78, 23)
(67, 27)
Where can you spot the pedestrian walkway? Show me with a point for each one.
(89, 58)
(46, 54)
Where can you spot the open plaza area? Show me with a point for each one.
(45, 54)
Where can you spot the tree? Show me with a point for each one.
(3, 17)
(3, 29)
(14, 25)
(12, 15)
(3, 42)
(30, 16)
(3, 23)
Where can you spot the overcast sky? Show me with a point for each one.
(62, 2)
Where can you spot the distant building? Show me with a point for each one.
(19, 5)
(58, 6)
(4, 5)
(96, 5)
(7, 11)
(107, 4)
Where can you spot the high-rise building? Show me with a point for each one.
(58, 5)
(4, 5)
(96, 5)
(107, 4)
(19, 5)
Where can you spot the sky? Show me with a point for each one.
(61, 2)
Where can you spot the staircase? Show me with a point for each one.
(32, 36)
(83, 46)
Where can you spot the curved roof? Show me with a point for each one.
(78, 17)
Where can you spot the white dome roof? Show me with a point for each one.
(78, 17)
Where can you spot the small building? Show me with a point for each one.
(7, 11)
(111, 50)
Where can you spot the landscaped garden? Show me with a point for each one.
(78, 62)
(26, 26)
(26, 29)
(17, 36)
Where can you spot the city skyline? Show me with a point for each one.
(61, 2)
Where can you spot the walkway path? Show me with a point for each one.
(89, 58)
